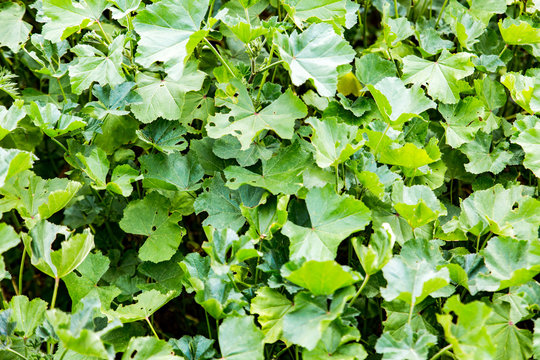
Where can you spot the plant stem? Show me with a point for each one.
(395, 8)
(440, 352)
(380, 140)
(266, 68)
(271, 65)
(208, 325)
(104, 33)
(440, 14)
(151, 327)
(503, 50)
(61, 89)
(214, 50)
(21, 268)
(366, 7)
(55, 291)
(59, 144)
(16, 353)
(366, 279)
(280, 353)
(337, 178)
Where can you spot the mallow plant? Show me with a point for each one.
(269, 179)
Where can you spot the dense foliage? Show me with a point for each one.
(264, 179)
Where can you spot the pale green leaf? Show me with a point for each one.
(14, 30)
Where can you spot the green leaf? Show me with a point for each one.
(221, 203)
(463, 120)
(12, 162)
(92, 65)
(27, 314)
(113, 100)
(469, 336)
(171, 172)
(146, 303)
(407, 345)
(320, 277)
(511, 262)
(528, 132)
(16, 30)
(149, 348)
(271, 306)
(371, 68)
(333, 11)
(166, 97)
(333, 141)
(310, 316)
(396, 30)
(35, 198)
(121, 179)
(417, 204)
(266, 218)
(483, 156)
(86, 280)
(169, 31)
(465, 23)
(379, 251)
(194, 348)
(152, 217)
(247, 122)
(314, 54)
(240, 339)
(66, 17)
(525, 90)
(536, 338)
(397, 103)
(228, 147)
(51, 121)
(519, 32)
(441, 77)
(165, 136)
(9, 118)
(95, 164)
(57, 263)
(412, 281)
(282, 173)
(511, 341)
(333, 218)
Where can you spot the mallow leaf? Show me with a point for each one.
(525, 90)
(146, 303)
(333, 11)
(270, 306)
(398, 104)
(240, 339)
(334, 142)
(379, 251)
(441, 77)
(169, 31)
(152, 217)
(406, 344)
(417, 204)
(9, 118)
(333, 218)
(526, 136)
(61, 262)
(314, 55)
(173, 171)
(519, 32)
(320, 277)
(51, 121)
(282, 173)
(66, 17)
(149, 348)
(245, 122)
(14, 161)
(27, 314)
(15, 30)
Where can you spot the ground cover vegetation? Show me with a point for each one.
(269, 179)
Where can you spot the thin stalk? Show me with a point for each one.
(21, 268)
(280, 353)
(16, 353)
(233, 282)
(104, 33)
(208, 325)
(55, 291)
(395, 8)
(214, 50)
(211, 9)
(265, 69)
(440, 352)
(271, 65)
(359, 290)
(15, 287)
(61, 89)
(366, 7)
(440, 14)
(337, 178)
(503, 50)
(151, 327)
(59, 144)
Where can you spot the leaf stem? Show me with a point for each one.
(366, 7)
(395, 8)
(440, 352)
(380, 140)
(265, 69)
(16, 353)
(21, 268)
(366, 279)
(104, 33)
(503, 50)
(280, 353)
(208, 325)
(440, 14)
(337, 177)
(151, 327)
(59, 144)
(55, 291)
(271, 65)
(214, 50)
